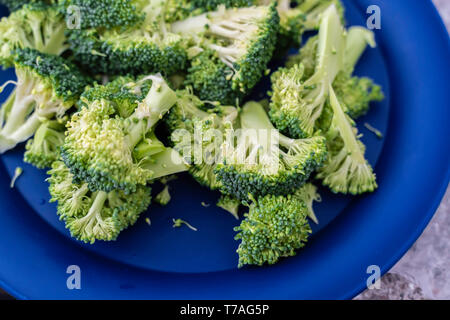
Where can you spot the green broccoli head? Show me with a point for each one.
(242, 41)
(123, 92)
(35, 26)
(43, 149)
(191, 123)
(356, 93)
(106, 13)
(134, 51)
(275, 227)
(14, 5)
(92, 216)
(110, 152)
(261, 161)
(47, 86)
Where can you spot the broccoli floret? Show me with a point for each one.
(47, 86)
(297, 104)
(14, 5)
(262, 161)
(163, 198)
(123, 93)
(356, 93)
(347, 170)
(35, 26)
(110, 152)
(17, 173)
(274, 227)
(145, 48)
(43, 149)
(92, 216)
(182, 9)
(186, 121)
(229, 204)
(106, 13)
(235, 48)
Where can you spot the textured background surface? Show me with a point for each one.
(424, 272)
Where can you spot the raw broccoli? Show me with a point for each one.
(347, 170)
(47, 86)
(229, 204)
(262, 161)
(190, 125)
(235, 46)
(181, 9)
(34, 26)
(106, 13)
(110, 152)
(43, 149)
(356, 93)
(275, 227)
(163, 198)
(124, 93)
(14, 5)
(92, 216)
(145, 48)
(297, 104)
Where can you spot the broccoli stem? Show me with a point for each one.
(357, 40)
(87, 223)
(346, 129)
(158, 102)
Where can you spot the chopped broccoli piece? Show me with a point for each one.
(265, 162)
(92, 216)
(347, 170)
(145, 48)
(14, 5)
(374, 130)
(163, 198)
(178, 223)
(189, 116)
(274, 227)
(296, 103)
(47, 86)
(43, 149)
(236, 46)
(110, 152)
(107, 13)
(17, 173)
(229, 204)
(182, 9)
(34, 26)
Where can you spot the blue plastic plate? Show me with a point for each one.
(412, 64)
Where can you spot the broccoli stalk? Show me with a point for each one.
(264, 161)
(297, 104)
(347, 170)
(47, 86)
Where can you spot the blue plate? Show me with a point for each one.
(159, 262)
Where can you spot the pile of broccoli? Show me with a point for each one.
(137, 91)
